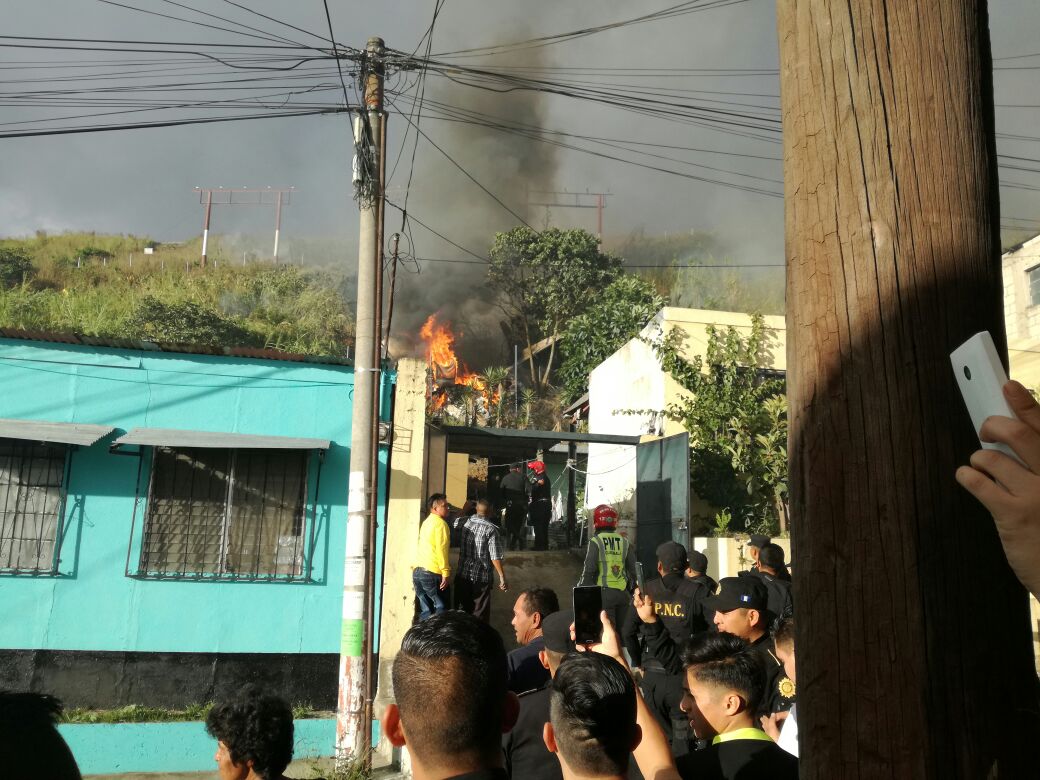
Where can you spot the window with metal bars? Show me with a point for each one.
(236, 514)
(32, 502)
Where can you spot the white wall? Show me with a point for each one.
(631, 378)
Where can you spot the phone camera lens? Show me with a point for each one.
(967, 373)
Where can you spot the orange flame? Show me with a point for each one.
(445, 365)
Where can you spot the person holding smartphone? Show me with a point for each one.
(1009, 490)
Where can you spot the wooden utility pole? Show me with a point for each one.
(913, 638)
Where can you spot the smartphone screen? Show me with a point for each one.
(639, 578)
(588, 603)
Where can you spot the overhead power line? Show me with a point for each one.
(169, 123)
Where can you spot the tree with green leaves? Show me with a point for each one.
(544, 279)
(15, 267)
(617, 315)
(736, 414)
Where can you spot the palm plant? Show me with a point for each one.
(494, 379)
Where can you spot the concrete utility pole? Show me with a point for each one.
(353, 715)
(893, 259)
(205, 225)
(277, 226)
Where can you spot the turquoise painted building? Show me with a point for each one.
(172, 522)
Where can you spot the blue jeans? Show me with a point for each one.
(427, 590)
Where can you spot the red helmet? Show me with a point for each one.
(536, 466)
(604, 516)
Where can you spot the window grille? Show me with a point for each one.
(32, 502)
(236, 514)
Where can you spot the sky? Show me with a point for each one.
(141, 181)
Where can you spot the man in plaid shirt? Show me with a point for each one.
(480, 551)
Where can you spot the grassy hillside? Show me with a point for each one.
(88, 284)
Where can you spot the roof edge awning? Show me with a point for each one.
(81, 434)
(173, 437)
(542, 436)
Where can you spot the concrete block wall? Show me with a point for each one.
(1022, 319)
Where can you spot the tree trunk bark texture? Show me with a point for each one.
(913, 638)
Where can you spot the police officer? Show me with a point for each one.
(541, 504)
(525, 752)
(754, 549)
(610, 561)
(697, 574)
(774, 575)
(677, 610)
(741, 608)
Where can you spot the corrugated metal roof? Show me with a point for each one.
(171, 437)
(62, 433)
(191, 349)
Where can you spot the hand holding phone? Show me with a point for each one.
(588, 603)
(640, 581)
(981, 378)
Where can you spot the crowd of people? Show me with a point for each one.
(698, 659)
(710, 696)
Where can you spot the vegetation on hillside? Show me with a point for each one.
(721, 283)
(88, 284)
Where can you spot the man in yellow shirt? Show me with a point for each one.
(430, 569)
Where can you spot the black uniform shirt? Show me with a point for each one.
(781, 604)
(677, 602)
(779, 693)
(739, 759)
(525, 750)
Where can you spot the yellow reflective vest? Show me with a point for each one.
(612, 549)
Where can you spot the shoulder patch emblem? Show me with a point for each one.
(786, 687)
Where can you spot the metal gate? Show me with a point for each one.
(662, 496)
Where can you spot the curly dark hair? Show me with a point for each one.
(256, 727)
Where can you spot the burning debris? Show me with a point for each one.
(453, 389)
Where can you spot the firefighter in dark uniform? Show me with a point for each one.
(541, 503)
(525, 752)
(677, 610)
(514, 498)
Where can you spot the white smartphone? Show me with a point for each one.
(981, 378)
